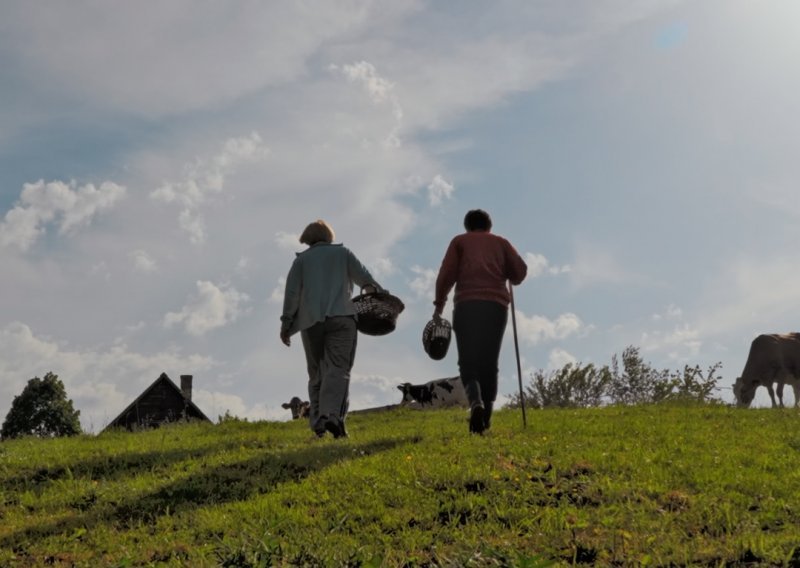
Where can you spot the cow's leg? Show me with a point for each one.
(796, 389)
(771, 391)
(781, 384)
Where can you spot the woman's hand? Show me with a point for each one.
(285, 338)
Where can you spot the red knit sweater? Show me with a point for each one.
(478, 263)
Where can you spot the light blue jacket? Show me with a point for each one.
(320, 285)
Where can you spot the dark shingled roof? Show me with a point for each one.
(163, 401)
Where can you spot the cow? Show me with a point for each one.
(436, 394)
(773, 358)
(299, 408)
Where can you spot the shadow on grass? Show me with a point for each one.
(215, 485)
(105, 467)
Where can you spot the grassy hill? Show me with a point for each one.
(647, 485)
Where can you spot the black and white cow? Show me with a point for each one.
(436, 394)
(299, 408)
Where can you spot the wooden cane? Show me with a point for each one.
(516, 349)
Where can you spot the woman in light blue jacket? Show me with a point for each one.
(317, 303)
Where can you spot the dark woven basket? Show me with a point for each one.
(436, 338)
(377, 312)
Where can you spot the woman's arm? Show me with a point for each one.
(448, 273)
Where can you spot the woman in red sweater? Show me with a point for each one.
(478, 263)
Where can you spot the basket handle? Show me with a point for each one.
(375, 289)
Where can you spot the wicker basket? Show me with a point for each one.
(436, 338)
(377, 312)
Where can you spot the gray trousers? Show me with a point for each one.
(330, 348)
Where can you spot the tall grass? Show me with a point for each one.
(642, 485)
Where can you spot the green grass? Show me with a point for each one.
(650, 485)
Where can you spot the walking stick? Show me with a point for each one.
(516, 349)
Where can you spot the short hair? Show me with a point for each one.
(477, 220)
(317, 232)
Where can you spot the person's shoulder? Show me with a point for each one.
(498, 238)
(482, 236)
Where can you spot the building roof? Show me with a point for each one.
(189, 410)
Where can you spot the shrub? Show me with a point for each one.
(573, 386)
(636, 382)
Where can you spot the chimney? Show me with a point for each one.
(186, 386)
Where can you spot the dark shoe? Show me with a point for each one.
(477, 423)
(335, 427)
(487, 415)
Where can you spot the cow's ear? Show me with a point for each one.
(286, 405)
(399, 387)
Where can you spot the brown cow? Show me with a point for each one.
(773, 358)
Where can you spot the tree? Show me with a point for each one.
(43, 410)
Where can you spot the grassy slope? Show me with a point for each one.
(660, 485)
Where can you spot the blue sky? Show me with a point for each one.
(156, 167)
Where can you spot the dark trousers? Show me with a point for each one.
(479, 326)
(330, 348)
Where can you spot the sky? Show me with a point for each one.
(158, 165)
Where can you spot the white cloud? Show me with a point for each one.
(205, 178)
(439, 189)
(211, 308)
(682, 341)
(380, 90)
(133, 328)
(594, 266)
(142, 261)
(671, 312)
(288, 241)
(363, 72)
(243, 265)
(559, 358)
(174, 48)
(381, 268)
(41, 203)
(276, 297)
(424, 285)
(538, 265)
(193, 225)
(535, 329)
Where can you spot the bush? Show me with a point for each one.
(637, 382)
(228, 417)
(692, 385)
(573, 386)
(42, 409)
